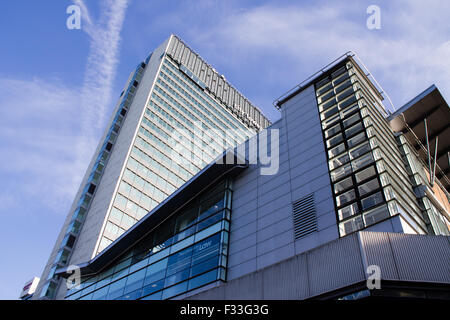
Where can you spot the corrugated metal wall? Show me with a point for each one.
(341, 263)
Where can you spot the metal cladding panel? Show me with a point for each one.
(214, 83)
(246, 288)
(226, 90)
(220, 88)
(247, 108)
(191, 57)
(235, 100)
(197, 64)
(287, 280)
(421, 257)
(377, 251)
(178, 51)
(241, 105)
(335, 265)
(208, 79)
(171, 48)
(203, 69)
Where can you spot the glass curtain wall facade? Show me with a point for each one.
(370, 182)
(186, 251)
(182, 130)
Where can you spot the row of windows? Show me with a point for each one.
(209, 145)
(148, 197)
(145, 179)
(356, 185)
(193, 164)
(367, 219)
(205, 114)
(205, 151)
(205, 130)
(184, 266)
(213, 105)
(169, 164)
(136, 197)
(229, 139)
(198, 117)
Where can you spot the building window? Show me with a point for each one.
(187, 251)
(356, 186)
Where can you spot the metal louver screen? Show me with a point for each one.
(304, 215)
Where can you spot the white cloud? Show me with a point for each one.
(39, 125)
(100, 71)
(49, 131)
(409, 53)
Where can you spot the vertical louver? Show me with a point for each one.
(304, 216)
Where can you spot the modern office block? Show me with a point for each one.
(175, 115)
(353, 189)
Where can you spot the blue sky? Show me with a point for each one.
(58, 86)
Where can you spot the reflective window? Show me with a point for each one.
(348, 211)
(186, 251)
(345, 197)
(354, 118)
(354, 129)
(332, 131)
(362, 161)
(368, 187)
(340, 172)
(336, 150)
(365, 174)
(343, 185)
(351, 225)
(372, 200)
(339, 161)
(375, 215)
(335, 140)
(359, 150)
(356, 139)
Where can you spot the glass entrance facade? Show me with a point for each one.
(186, 251)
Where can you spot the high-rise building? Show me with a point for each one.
(357, 207)
(175, 115)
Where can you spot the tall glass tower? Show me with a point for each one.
(175, 115)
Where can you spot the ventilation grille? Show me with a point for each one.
(304, 213)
